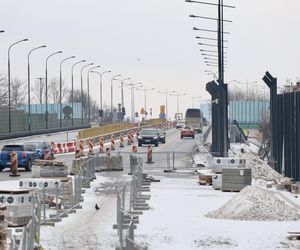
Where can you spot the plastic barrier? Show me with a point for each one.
(149, 154)
(112, 142)
(101, 145)
(107, 152)
(14, 164)
(134, 149)
(70, 146)
(91, 146)
(121, 141)
(47, 155)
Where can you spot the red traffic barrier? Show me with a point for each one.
(14, 164)
(128, 138)
(47, 155)
(121, 141)
(77, 153)
(91, 146)
(107, 152)
(149, 155)
(112, 142)
(101, 145)
(134, 149)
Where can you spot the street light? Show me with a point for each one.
(145, 96)
(132, 86)
(60, 88)
(46, 83)
(72, 88)
(111, 93)
(8, 62)
(167, 93)
(177, 95)
(122, 91)
(88, 90)
(100, 94)
(28, 67)
(81, 89)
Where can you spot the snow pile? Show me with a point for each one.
(253, 203)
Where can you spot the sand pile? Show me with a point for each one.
(254, 203)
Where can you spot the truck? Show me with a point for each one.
(194, 119)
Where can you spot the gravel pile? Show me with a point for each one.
(262, 171)
(256, 204)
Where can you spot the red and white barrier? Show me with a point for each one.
(14, 164)
(112, 142)
(101, 145)
(121, 141)
(91, 146)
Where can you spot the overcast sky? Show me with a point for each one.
(151, 41)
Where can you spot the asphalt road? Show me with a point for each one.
(181, 147)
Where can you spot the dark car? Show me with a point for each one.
(41, 147)
(26, 156)
(161, 135)
(148, 136)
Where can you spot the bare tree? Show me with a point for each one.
(18, 92)
(3, 90)
(39, 91)
(53, 90)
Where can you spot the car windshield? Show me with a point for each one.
(13, 148)
(160, 131)
(188, 128)
(148, 132)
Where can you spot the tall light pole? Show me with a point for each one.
(28, 77)
(72, 88)
(88, 90)
(122, 91)
(9, 103)
(100, 94)
(132, 87)
(46, 85)
(81, 89)
(166, 93)
(145, 98)
(177, 95)
(111, 93)
(60, 88)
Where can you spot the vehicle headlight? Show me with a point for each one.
(155, 137)
(139, 137)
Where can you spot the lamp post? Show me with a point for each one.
(132, 87)
(81, 89)
(46, 85)
(100, 94)
(60, 88)
(88, 90)
(166, 93)
(145, 98)
(9, 103)
(72, 88)
(28, 77)
(177, 95)
(122, 91)
(111, 93)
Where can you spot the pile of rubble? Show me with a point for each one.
(256, 204)
(261, 171)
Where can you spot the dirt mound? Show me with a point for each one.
(254, 203)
